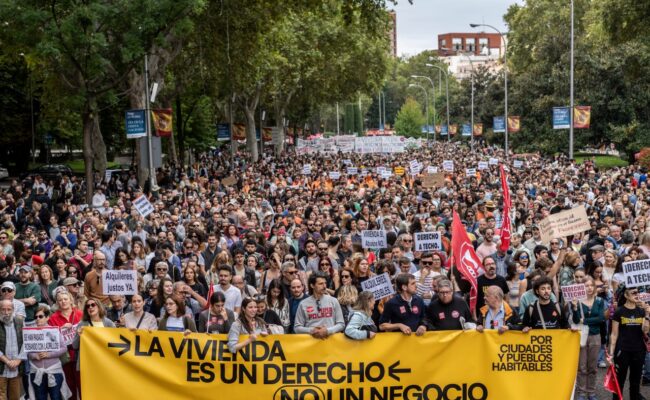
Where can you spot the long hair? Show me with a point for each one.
(348, 295)
(242, 316)
(363, 302)
(100, 309)
(275, 284)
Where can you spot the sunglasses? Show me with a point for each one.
(291, 272)
(346, 276)
(7, 290)
(426, 262)
(91, 305)
(161, 269)
(40, 316)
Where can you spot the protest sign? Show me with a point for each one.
(306, 169)
(482, 165)
(448, 165)
(40, 339)
(427, 241)
(574, 292)
(390, 366)
(143, 206)
(334, 175)
(69, 334)
(124, 281)
(636, 273)
(564, 224)
(431, 169)
(644, 297)
(373, 239)
(352, 171)
(431, 180)
(379, 285)
(469, 172)
(493, 161)
(229, 180)
(517, 164)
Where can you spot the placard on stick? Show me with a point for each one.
(373, 239)
(564, 224)
(431, 180)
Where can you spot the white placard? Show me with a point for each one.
(637, 273)
(386, 174)
(45, 339)
(69, 334)
(574, 292)
(347, 162)
(431, 169)
(518, 164)
(470, 172)
(493, 161)
(482, 165)
(448, 165)
(352, 171)
(143, 206)
(644, 297)
(375, 239)
(306, 169)
(335, 175)
(380, 170)
(379, 285)
(428, 241)
(124, 281)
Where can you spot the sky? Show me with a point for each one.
(419, 25)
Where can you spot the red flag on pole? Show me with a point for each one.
(611, 382)
(207, 305)
(465, 258)
(162, 121)
(505, 224)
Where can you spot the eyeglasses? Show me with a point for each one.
(523, 258)
(291, 272)
(554, 243)
(91, 305)
(327, 264)
(346, 276)
(189, 247)
(444, 292)
(426, 262)
(40, 316)
(407, 240)
(7, 290)
(161, 269)
(322, 248)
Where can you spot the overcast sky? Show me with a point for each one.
(419, 25)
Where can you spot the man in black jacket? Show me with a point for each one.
(448, 312)
(544, 313)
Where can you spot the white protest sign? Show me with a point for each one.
(306, 169)
(347, 162)
(448, 165)
(432, 169)
(482, 165)
(518, 164)
(493, 161)
(379, 285)
(46, 339)
(335, 175)
(386, 174)
(427, 241)
(123, 281)
(574, 292)
(565, 223)
(143, 206)
(375, 239)
(644, 297)
(637, 273)
(352, 170)
(469, 172)
(69, 334)
(380, 170)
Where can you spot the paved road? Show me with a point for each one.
(605, 395)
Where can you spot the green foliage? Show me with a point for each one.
(603, 161)
(410, 119)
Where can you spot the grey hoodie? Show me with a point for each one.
(326, 312)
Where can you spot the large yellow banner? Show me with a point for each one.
(121, 364)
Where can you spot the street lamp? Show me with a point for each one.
(471, 64)
(426, 97)
(571, 90)
(505, 72)
(433, 98)
(447, 94)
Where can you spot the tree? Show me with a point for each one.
(410, 119)
(92, 46)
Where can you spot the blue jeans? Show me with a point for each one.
(646, 372)
(41, 391)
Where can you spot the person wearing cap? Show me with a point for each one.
(28, 293)
(8, 292)
(73, 286)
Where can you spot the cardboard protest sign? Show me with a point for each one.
(637, 273)
(564, 224)
(574, 292)
(379, 285)
(124, 281)
(143, 206)
(373, 239)
(40, 339)
(427, 241)
(431, 180)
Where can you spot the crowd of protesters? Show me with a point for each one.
(252, 249)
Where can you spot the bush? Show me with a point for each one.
(644, 157)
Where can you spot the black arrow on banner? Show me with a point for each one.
(393, 371)
(126, 346)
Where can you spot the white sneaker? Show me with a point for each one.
(602, 364)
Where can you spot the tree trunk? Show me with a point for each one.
(88, 122)
(179, 130)
(279, 121)
(251, 135)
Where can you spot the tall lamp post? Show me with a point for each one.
(471, 64)
(505, 72)
(571, 90)
(446, 92)
(433, 100)
(426, 97)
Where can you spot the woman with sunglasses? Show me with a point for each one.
(627, 350)
(45, 366)
(94, 315)
(67, 317)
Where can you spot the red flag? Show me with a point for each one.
(505, 224)
(465, 258)
(162, 121)
(611, 382)
(210, 291)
